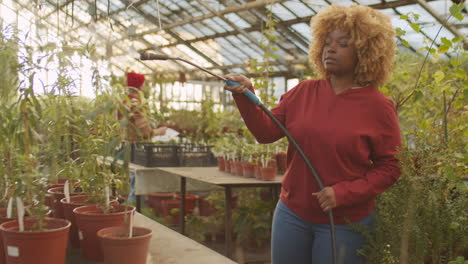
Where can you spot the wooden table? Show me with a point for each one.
(212, 175)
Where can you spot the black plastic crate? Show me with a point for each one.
(155, 155)
(195, 155)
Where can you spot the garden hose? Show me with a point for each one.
(255, 100)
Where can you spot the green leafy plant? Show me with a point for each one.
(426, 209)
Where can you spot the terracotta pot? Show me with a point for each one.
(52, 183)
(268, 173)
(227, 165)
(91, 219)
(155, 199)
(166, 211)
(119, 249)
(168, 205)
(57, 194)
(68, 207)
(272, 163)
(233, 167)
(47, 246)
(281, 160)
(190, 202)
(239, 168)
(205, 207)
(221, 164)
(3, 219)
(257, 171)
(248, 170)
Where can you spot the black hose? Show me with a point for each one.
(311, 169)
(255, 100)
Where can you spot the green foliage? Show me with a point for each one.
(459, 260)
(423, 217)
(252, 219)
(263, 84)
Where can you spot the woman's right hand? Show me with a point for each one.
(243, 80)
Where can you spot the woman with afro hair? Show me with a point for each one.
(347, 128)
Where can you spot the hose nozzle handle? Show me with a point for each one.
(247, 92)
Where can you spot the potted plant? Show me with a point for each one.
(136, 244)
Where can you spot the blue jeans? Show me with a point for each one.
(294, 240)
(131, 195)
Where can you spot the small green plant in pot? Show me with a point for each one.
(20, 150)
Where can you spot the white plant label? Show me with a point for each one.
(130, 234)
(106, 193)
(20, 208)
(66, 190)
(13, 251)
(10, 208)
(80, 235)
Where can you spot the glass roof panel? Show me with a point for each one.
(204, 29)
(214, 25)
(109, 5)
(196, 33)
(223, 24)
(237, 20)
(315, 4)
(282, 12)
(370, 2)
(156, 39)
(341, 2)
(303, 29)
(298, 8)
(209, 51)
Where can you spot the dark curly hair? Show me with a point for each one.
(371, 34)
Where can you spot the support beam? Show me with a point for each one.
(137, 4)
(155, 20)
(59, 8)
(242, 32)
(232, 9)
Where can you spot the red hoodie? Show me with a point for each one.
(350, 139)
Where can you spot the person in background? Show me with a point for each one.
(347, 128)
(138, 127)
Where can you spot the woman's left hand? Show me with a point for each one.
(326, 198)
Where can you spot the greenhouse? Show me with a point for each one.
(233, 131)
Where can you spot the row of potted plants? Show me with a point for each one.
(242, 157)
(51, 136)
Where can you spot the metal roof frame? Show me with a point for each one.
(188, 28)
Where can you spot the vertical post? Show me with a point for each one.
(182, 205)
(138, 203)
(228, 222)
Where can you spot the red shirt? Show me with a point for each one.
(350, 139)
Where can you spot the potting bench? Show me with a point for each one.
(212, 175)
(154, 179)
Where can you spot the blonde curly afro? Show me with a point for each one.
(371, 34)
